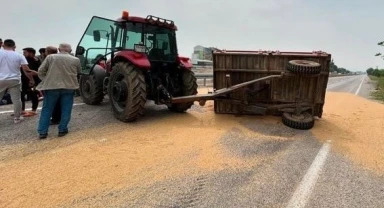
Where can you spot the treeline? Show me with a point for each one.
(375, 72)
(333, 68)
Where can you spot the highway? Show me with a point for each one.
(357, 85)
(195, 160)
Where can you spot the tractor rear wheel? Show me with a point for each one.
(189, 87)
(127, 92)
(91, 91)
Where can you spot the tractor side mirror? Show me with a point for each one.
(96, 35)
(164, 46)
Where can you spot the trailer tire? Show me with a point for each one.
(189, 87)
(90, 90)
(127, 92)
(303, 122)
(304, 67)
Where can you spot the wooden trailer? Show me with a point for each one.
(298, 95)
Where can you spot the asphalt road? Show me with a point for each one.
(295, 170)
(359, 85)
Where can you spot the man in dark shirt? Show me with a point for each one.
(33, 94)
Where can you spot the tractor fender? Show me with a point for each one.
(185, 62)
(100, 74)
(140, 60)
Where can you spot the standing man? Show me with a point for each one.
(59, 74)
(56, 115)
(30, 91)
(10, 76)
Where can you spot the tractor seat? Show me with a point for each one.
(156, 52)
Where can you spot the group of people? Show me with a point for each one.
(51, 76)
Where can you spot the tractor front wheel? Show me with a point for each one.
(127, 92)
(189, 87)
(90, 90)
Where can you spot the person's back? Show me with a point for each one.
(10, 62)
(61, 73)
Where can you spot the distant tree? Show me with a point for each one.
(334, 68)
(370, 71)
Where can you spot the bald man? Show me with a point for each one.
(59, 74)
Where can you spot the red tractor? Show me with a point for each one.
(134, 59)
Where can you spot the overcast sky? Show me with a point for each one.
(349, 30)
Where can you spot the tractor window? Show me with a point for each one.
(161, 43)
(100, 37)
(133, 35)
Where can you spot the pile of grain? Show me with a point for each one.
(356, 128)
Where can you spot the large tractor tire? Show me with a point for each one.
(304, 121)
(189, 87)
(127, 92)
(304, 67)
(91, 91)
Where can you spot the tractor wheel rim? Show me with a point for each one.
(299, 117)
(119, 91)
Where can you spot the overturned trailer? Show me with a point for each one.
(290, 84)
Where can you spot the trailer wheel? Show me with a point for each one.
(304, 121)
(90, 90)
(127, 92)
(189, 87)
(304, 67)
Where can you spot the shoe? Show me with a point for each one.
(22, 113)
(18, 120)
(43, 136)
(61, 134)
(29, 114)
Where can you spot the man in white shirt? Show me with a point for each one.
(10, 75)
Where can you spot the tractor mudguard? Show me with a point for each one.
(140, 60)
(185, 62)
(100, 74)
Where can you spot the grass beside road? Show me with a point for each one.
(379, 93)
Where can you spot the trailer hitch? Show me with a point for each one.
(202, 98)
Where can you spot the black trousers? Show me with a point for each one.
(33, 95)
(56, 114)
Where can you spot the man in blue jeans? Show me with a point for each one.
(58, 73)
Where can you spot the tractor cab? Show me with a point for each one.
(153, 38)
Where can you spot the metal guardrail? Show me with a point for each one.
(204, 77)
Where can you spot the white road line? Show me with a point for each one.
(303, 192)
(361, 84)
(11, 111)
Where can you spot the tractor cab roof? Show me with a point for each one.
(150, 19)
